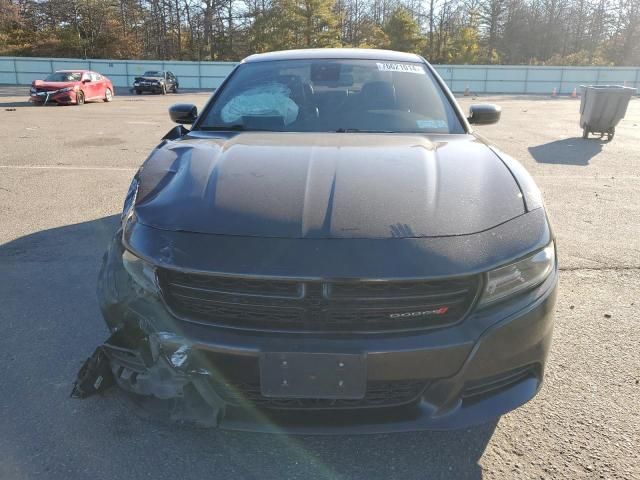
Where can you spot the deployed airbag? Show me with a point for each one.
(266, 100)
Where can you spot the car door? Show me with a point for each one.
(88, 87)
(100, 85)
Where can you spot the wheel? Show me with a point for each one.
(108, 96)
(611, 134)
(585, 131)
(80, 98)
(164, 89)
(175, 89)
(138, 92)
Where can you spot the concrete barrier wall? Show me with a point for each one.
(537, 80)
(23, 70)
(208, 75)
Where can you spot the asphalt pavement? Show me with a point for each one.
(63, 175)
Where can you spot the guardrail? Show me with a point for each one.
(484, 79)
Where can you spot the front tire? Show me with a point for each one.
(108, 95)
(585, 131)
(80, 98)
(163, 89)
(138, 92)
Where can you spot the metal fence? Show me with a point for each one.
(209, 75)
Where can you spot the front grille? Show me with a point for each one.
(378, 394)
(234, 285)
(46, 89)
(315, 306)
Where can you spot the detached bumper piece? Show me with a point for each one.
(139, 365)
(95, 375)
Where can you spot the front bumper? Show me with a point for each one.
(148, 88)
(61, 98)
(472, 372)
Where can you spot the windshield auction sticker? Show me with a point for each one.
(400, 67)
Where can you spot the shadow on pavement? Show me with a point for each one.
(14, 91)
(569, 151)
(52, 323)
(10, 105)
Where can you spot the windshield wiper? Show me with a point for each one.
(357, 130)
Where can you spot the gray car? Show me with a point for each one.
(156, 81)
(330, 248)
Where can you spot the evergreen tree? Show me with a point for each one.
(403, 32)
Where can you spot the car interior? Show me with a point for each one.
(327, 99)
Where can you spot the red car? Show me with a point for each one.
(66, 87)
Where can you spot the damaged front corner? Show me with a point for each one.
(127, 359)
(142, 356)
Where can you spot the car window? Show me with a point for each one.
(153, 73)
(97, 77)
(332, 95)
(64, 77)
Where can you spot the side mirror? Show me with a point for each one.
(183, 113)
(86, 80)
(484, 114)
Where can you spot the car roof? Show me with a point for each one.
(335, 53)
(79, 70)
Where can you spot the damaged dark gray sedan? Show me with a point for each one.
(330, 248)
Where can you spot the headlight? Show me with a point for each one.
(506, 281)
(66, 89)
(130, 198)
(143, 273)
(136, 84)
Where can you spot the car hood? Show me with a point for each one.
(149, 78)
(334, 185)
(53, 85)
